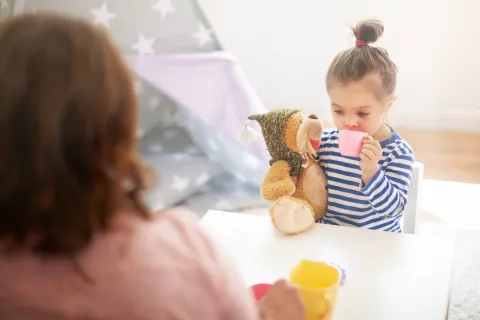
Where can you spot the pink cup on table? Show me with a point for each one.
(260, 290)
(351, 142)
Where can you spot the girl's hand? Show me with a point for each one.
(369, 157)
(282, 302)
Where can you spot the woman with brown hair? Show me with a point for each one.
(76, 238)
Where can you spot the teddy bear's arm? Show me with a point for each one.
(277, 182)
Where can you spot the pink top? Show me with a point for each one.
(165, 269)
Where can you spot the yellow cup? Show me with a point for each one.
(318, 283)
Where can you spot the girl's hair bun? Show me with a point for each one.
(368, 30)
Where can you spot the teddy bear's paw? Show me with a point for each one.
(291, 216)
(274, 190)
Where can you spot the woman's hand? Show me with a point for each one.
(282, 302)
(369, 157)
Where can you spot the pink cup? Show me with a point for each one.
(260, 289)
(351, 142)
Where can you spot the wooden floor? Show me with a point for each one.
(451, 156)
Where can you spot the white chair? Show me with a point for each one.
(412, 209)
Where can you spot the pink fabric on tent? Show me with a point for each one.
(211, 85)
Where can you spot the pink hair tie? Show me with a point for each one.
(361, 43)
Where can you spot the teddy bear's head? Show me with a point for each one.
(288, 133)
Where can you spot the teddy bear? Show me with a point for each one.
(295, 183)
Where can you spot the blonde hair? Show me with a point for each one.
(356, 63)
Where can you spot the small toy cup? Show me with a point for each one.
(259, 290)
(318, 283)
(351, 142)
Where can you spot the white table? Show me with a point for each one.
(389, 276)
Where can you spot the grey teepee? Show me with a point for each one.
(199, 166)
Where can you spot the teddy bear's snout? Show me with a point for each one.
(315, 133)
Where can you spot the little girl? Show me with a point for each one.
(369, 191)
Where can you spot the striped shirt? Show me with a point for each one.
(379, 204)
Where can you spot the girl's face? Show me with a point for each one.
(356, 107)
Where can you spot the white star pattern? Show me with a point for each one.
(202, 179)
(250, 161)
(144, 45)
(154, 102)
(203, 35)
(102, 16)
(179, 183)
(164, 7)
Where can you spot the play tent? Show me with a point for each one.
(194, 99)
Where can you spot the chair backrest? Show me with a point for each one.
(412, 209)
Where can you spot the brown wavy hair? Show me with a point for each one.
(68, 122)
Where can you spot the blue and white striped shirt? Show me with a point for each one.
(378, 205)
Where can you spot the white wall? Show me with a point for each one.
(285, 46)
